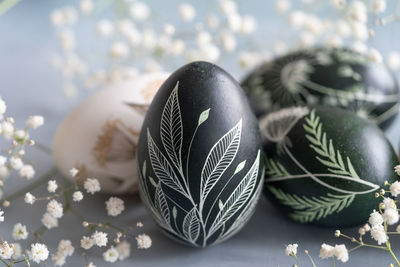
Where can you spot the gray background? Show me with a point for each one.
(29, 85)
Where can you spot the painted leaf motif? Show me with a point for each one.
(171, 128)
(238, 198)
(191, 226)
(161, 204)
(203, 116)
(161, 167)
(220, 157)
(240, 167)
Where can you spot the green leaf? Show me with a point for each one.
(144, 169)
(203, 116)
(152, 181)
(240, 167)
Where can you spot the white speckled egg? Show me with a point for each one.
(99, 137)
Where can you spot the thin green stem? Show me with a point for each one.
(30, 187)
(333, 261)
(297, 260)
(6, 5)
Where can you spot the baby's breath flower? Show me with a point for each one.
(35, 121)
(58, 259)
(391, 216)
(228, 7)
(341, 253)
(367, 228)
(114, 206)
(7, 129)
(92, 185)
(361, 231)
(4, 171)
(90, 264)
(375, 218)
(86, 6)
(378, 6)
(398, 228)
(49, 221)
(393, 62)
(337, 233)
(55, 209)
(87, 242)
(17, 251)
(3, 160)
(249, 24)
(105, 28)
(397, 168)
(52, 186)
(139, 11)
(357, 12)
(27, 171)
(291, 250)
(187, 12)
(77, 196)
(388, 203)
(143, 241)
(3, 107)
(375, 56)
(282, 6)
(119, 50)
(395, 188)
(65, 248)
(139, 224)
(29, 198)
(124, 250)
(1, 216)
(6, 251)
(100, 238)
(111, 255)
(73, 172)
(39, 252)
(378, 233)
(326, 251)
(16, 163)
(19, 232)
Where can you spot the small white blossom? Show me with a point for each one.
(177, 47)
(105, 28)
(65, 248)
(49, 221)
(52, 186)
(27, 171)
(235, 22)
(19, 232)
(86, 6)
(3, 107)
(4, 171)
(393, 62)
(58, 259)
(297, 19)
(100, 238)
(378, 6)
(55, 209)
(360, 31)
(341, 253)
(35, 121)
(17, 251)
(282, 6)
(339, 3)
(39, 252)
(249, 24)
(124, 250)
(357, 11)
(391, 216)
(3, 160)
(57, 18)
(16, 163)
(73, 172)
(6, 251)
(111, 255)
(143, 241)
(395, 188)
(375, 218)
(91, 185)
(139, 11)
(29, 198)
(374, 56)
(77, 196)
(291, 250)
(378, 233)
(169, 29)
(1, 216)
(87, 242)
(90, 264)
(228, 41)
(326, 251)
(388, 203)
(119, 50)
(7, 129)
(114, 206)
(187, 12)
(228, 7)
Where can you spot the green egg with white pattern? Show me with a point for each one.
(335, 77)
(325, 164)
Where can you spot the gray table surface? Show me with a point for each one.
(30, 86)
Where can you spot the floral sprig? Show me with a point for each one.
(378, 226)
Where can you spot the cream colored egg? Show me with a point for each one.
(99, 137)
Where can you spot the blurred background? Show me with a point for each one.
(54, 54)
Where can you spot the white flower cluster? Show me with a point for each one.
(12, 159)
(338, 251)
(64, 250)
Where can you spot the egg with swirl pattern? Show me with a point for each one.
(200, 156)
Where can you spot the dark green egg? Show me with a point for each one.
(325, 76)
(324, 164)
(200, 156)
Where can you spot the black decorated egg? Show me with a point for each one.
(325, 76)
(324, 164)
(200, 156)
